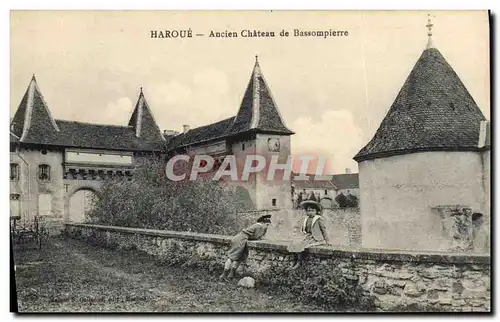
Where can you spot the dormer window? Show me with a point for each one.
(44, 172)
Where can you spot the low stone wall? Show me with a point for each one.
(343, 225)
(395, 280)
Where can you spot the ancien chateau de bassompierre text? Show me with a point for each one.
(248, 33)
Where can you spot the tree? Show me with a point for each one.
(352, 201)
(150, 200)
(341, 200)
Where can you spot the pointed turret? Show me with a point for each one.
(144, 123)
(429, 26)
(432, 112)
(258, 110)
(33, 121)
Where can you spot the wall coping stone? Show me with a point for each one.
(326, 251)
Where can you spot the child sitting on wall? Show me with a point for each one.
(313, 228)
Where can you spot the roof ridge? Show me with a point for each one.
(206, 125)
(270, 93)
(140, 106)
(95, 124)
(258, 110)
(30, 95)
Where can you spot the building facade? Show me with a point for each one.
(57, 166)
(346, 183)
(314, 189)
(258, 129)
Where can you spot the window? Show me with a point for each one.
(274, 202)
(243, 146)
(44, 172)
(326, 192)
(14, 172)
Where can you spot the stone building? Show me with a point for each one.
(257, 129)
(321, 189)
(430, 152)
(346, 183)
(56, 166)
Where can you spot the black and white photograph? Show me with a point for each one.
(250, 161)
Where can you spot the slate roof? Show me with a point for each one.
(258, 112)
(144, 122)
(100, 136)
(200, 134)
(34, 124)
(312, 183)
(33, 120)
(13, 138)
(346, 181)
(432, 112)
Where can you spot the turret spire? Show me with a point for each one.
(429, 33)
(258, 110)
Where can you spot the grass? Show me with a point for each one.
(71, 276)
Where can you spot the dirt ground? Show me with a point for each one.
(70, 276)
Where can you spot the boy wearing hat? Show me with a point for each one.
(313, 228)
(239, 250)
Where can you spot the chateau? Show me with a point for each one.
(56, 165)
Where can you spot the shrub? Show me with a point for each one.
(323, 284)
(349, 201)
(149, 200)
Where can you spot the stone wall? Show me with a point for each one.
(395, 280)
(343, 225)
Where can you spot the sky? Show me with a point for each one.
(333, 93)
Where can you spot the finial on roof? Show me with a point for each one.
(141, 89)
(256, 58)
(429, 33)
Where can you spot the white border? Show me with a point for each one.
(186, 5)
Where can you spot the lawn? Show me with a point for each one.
(71, 276)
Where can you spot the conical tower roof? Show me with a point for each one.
(143, 121)
(33, 120)
(432, 112)
(258, 110)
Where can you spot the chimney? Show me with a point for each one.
(170, 132)
(185, 127)
(348, 170)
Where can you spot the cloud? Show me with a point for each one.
(117, 112)
(335, 136)
(201, 100)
